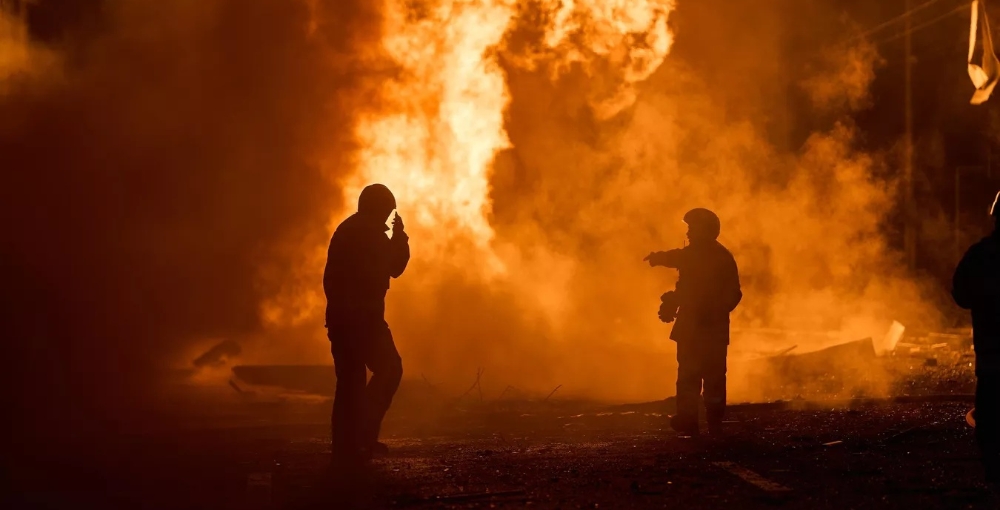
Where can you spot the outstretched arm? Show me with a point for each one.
(669, 258)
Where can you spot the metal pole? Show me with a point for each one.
(909, 233)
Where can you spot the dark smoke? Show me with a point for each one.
(172, 153)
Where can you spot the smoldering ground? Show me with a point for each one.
(173, 172)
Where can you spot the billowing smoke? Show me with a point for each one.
(173, 171)
(611, 140)
(157, 158)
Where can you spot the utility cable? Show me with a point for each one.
(925, 24)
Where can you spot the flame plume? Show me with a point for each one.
(618, 44)
(438, 121)
(441, 121)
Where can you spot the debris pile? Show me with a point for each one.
(934, 363)
(902, 363)
(844, 370)
(897, 365)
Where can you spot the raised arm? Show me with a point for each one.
(399, 248)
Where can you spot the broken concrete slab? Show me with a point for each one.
(844, 370)
(219, 354)
(314, 379)
(828, 360)
(891, 338)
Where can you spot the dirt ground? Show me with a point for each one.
(903, 453)
(823, 441)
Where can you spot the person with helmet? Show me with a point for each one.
(708, 289)
(361, 260)
(976, 287)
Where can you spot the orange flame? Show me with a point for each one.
(619, 42)
(438, 122)
(434, 139)
(435, 136)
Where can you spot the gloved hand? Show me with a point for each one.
(668, 307)
(397, 227)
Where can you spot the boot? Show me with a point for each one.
(380, 449)
(347, 459)
(991, 466)
(714, 414)
(684, 425)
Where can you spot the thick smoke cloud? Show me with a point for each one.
(751, 116)
(171, 171)
(154, 172)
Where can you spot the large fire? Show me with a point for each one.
(194, 159)
(440, 119)
(537, 155)
(437, 120)
(618, 44)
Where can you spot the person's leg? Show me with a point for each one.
(349, 400)
(988, 423)
(715, 385)
(387, 371)
(688, 388)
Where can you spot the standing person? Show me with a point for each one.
(976, 287)
(708, 289)
(360, 262)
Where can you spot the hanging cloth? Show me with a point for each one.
(986, 74)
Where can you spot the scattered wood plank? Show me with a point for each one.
(553, 392)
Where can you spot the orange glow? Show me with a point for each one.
(440, 123)
(540, 279)
(621, 41)
(18, 56)
(434, 135)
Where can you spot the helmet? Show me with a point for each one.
(376, 199)
(703, 222)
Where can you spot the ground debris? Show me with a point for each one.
(487, 494)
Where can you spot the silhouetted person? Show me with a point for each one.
(708, 289)
(360, 262)
(976, 287)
